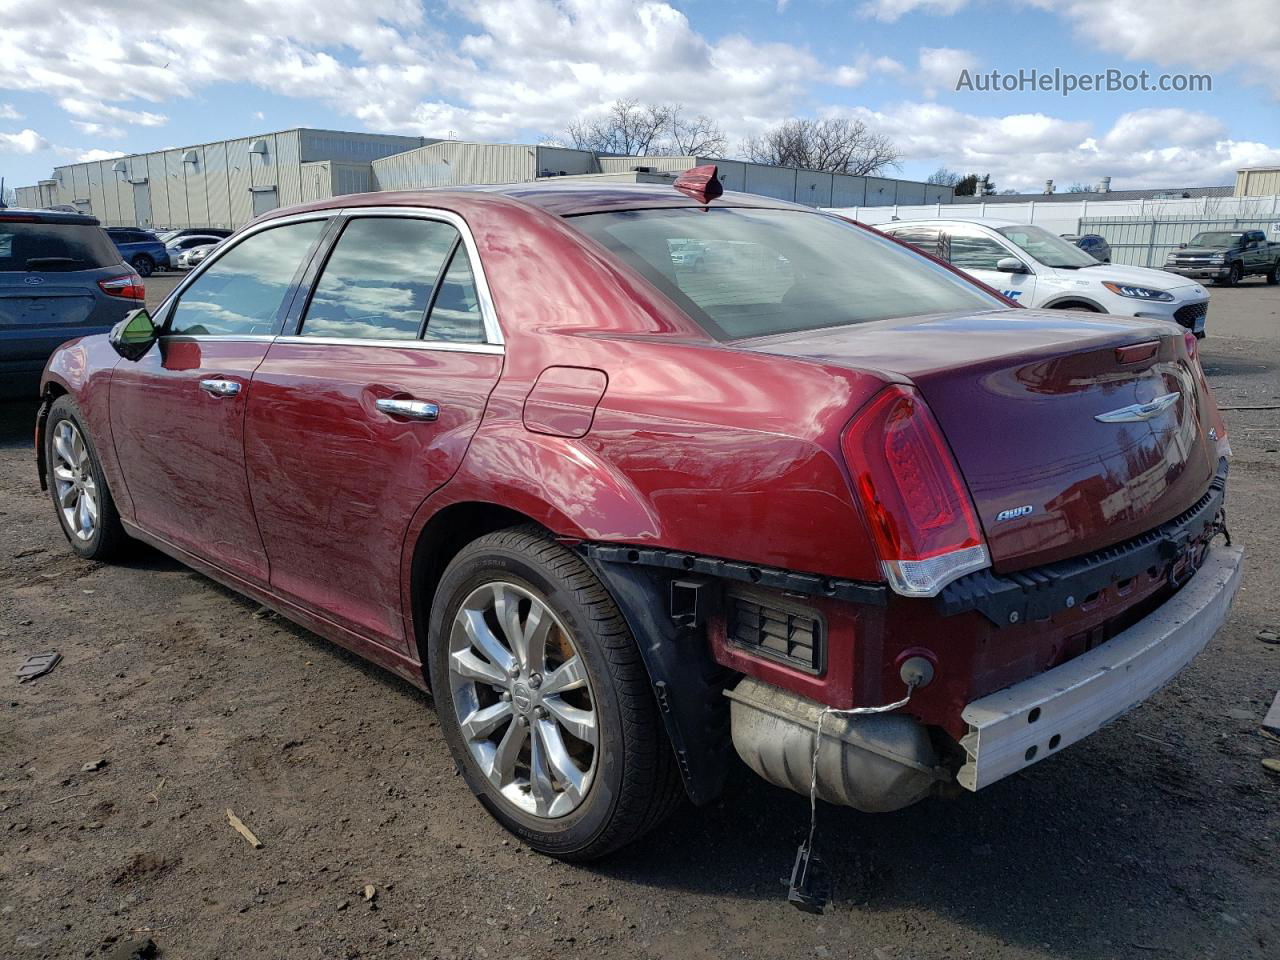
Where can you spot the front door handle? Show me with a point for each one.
(409, 409)
(220, 388)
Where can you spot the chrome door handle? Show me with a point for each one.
(409, 409)
(220, 388)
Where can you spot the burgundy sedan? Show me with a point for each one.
(633, 478)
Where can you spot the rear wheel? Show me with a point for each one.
(86, 511)
(143, 264)
(543, 698)
(1274, 276)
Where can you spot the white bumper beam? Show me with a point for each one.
(1020, 725)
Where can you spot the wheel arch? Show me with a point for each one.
(1070, 300)
(53, 389)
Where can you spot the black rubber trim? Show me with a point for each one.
(1040, 592)
(809, 584)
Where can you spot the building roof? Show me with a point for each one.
(1161, 193)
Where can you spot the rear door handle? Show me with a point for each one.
(409, 409)
(220, 388)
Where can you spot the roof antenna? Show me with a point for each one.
(701, 183)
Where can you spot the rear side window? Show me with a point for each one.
(55, 247)
(385, 274)
(972, 250)
(749, 273)
(242, 292)
(922, 238)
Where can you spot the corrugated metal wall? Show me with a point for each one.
(239, 180)
(555, 161)
(1258, 183)
(1145, 242)
(28, 197)
(352, 147)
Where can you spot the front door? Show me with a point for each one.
(356, 419)
(975, 252)
(178, 414)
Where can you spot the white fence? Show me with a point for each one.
(1064, 216)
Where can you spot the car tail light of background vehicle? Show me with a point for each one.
(128, 287)
(922, 519)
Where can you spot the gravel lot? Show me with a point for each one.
(1156, 838)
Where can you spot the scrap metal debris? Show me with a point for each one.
(238, 825)
(37, 665)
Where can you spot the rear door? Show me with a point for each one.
(369, 407)
(975, 251)
(178, 414)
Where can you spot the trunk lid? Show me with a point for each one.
(1019, 394)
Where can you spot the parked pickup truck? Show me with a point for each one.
(1227, 256)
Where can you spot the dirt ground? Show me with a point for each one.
(1155, 838)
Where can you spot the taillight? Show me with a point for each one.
(921, 516)
(130, 287)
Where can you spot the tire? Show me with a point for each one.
(1236, 275)
(1273, 277)
(1076, 306)
(143, 264)
(632, 783)
(106, 540)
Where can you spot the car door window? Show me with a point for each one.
(455, 315)
(242, 292)
(972, 250)
(378, 281)
(922, 238)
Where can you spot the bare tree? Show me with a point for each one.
(943, 177)
(837, 145)
(640, 129)
(1080, 188)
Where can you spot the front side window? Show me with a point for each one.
(973, 250)
(378, 282)
(242, 293)
(749, 273)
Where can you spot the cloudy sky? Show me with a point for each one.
(89, 78)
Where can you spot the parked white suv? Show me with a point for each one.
(1039, 269)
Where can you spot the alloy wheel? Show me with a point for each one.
(73, 481)
(523, 700)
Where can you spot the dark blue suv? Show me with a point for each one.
(60, 278)
(141, 249)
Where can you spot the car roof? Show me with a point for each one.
(561, 199)
(992, 222)
(22, 215)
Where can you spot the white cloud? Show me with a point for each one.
(1144, 148)
(892, 10)
(258, 115)
(98, 129)
(9, 112)
(90, 155)
(863, 67)
(95, 110)
(1238, 35)
(939, 67)
(25, 141)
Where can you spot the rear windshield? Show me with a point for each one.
(752, 273)
(1216, 239)
(54, 247)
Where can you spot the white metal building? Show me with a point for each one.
(229, 182)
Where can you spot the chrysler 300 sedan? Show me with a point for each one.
(627, 512)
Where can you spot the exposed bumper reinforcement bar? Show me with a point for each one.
(1022, 724)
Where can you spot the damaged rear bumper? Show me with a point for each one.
(1022, 724)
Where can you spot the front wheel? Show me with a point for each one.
(85, 508)
(1235, 276)
(544, 700)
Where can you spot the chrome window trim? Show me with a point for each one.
(224, 337)
(488, 312)
(451, 346)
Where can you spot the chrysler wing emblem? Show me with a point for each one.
(1139, 411)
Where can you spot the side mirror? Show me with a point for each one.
(133, 336)
(1011, 265)
(1182, 246)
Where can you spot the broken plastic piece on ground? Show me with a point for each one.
(37, 665)
(1271, 722)
(809, 890)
